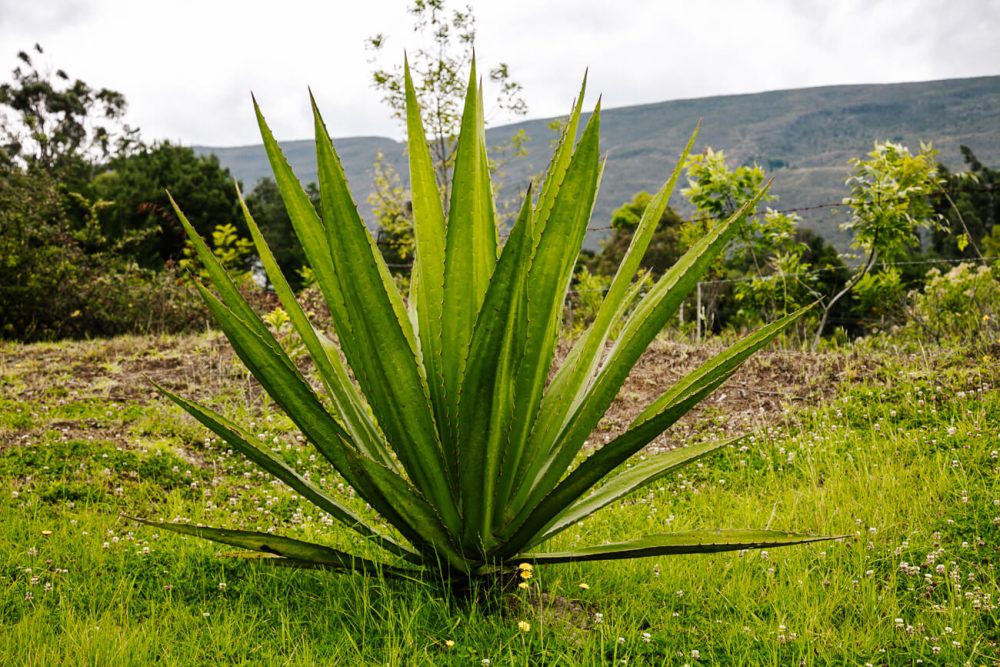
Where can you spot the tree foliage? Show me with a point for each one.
(53, 123)
(446, 39)
(665, 248)
(969, 208)
(61, 277)
(137, 185)
(890, 202)
(768, 273)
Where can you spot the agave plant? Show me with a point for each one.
(439, 409)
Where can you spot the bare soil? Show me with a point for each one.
(120, 371)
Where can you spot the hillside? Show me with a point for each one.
(804, 137)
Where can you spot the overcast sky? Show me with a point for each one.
(187, 67)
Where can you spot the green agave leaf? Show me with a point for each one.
(373, 481)
(428, 533)
(688, 542)
(285, 547)
(646, 321)
(487, 397)
(722, 364)
(577, 370)
(312, 236)
(631, 479)
(594, 468)
(309, 229)
(559, 164)
(686, 394)
(387, 365)
(471, 252)
(427, 276)
(220, 278)
(245, 443)
(548, 281)
(348, 402)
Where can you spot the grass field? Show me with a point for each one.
(899, 451)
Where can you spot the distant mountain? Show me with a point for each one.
(803, 137)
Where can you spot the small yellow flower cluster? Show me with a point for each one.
(526, 570)
(584, 586)
(523, 626)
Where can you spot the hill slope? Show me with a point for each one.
(803, 137)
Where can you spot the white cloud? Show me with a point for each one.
(187, 67)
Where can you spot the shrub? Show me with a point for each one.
(60, 278)
(959, 307)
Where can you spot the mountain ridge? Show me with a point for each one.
(803, 136)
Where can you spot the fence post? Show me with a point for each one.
(697, 314)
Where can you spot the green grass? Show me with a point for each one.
(903, 459)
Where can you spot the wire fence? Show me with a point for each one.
(408, 245)
(705, 286)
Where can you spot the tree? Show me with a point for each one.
(969, 207)
(391, 205)
(665, 248)
(438, 68)
(270, 214)
(766, 266)
(137, 185)
(60, 276)
(51, 123)
(890, 203)
(69, 241)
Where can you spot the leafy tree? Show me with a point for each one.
(137, 185)
(270, 214)
(61, 277)
(53, 123)
(438, 68)
(391, 205)
(782, 280)
(766, 262)
(969, 207)
(665, 248)
(890, 203)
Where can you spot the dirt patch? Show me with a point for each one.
(769, 386)
(119, 371)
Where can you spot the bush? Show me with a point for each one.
(960, 307)
(60, 278)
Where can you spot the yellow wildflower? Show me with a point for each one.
(523, 626)
(584, 586)
(449, 643)
(523, 585)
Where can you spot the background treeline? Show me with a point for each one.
(90, 244)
